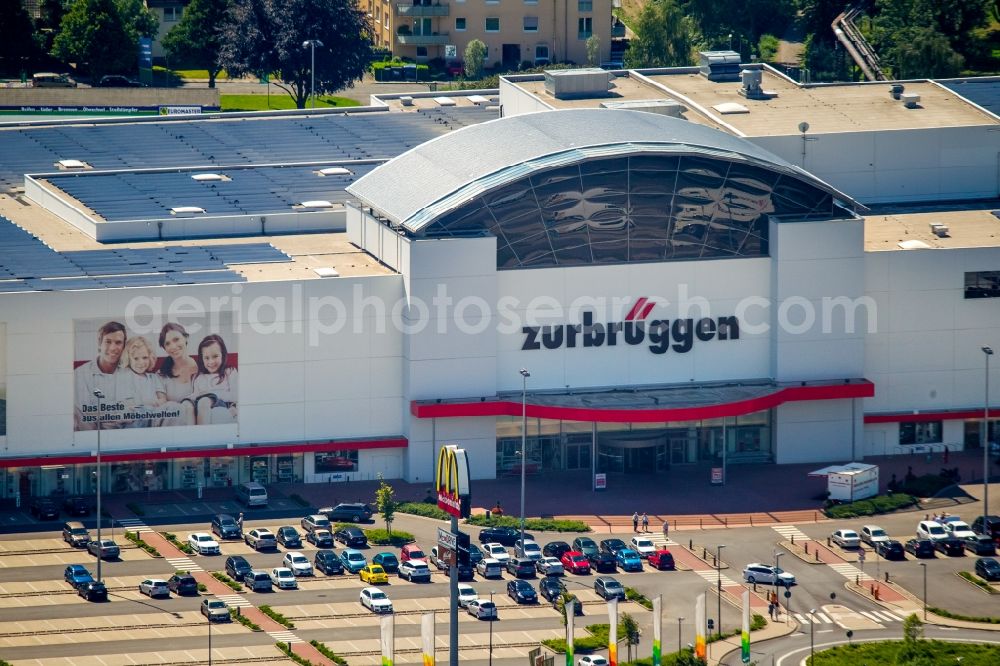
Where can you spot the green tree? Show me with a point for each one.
(96, 36)
(664, 37)
(913, 628)
(927, 38)
(195, 39)
(266, 37)
(140, 20)
(475, 58)
(593, 50)
(17, 41)
(767, 47)
(631, 632)
(385, 502)
(687, 658)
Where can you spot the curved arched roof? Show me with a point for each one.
(439, 175)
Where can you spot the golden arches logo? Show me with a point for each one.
(452, 482)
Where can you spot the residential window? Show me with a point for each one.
(982, 284)
(493, 24)
(929, 432)
(585, 27)
(460, 24)
(585, 5)
(531, 24)
(172, 14)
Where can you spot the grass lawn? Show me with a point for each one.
(935, 652)
(277, 101)
(198, 74)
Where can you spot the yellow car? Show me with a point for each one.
(374, 574)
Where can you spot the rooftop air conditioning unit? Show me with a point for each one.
(720, 65)
(751, 78)
(577, 83)
(910, 100)
(939, 230)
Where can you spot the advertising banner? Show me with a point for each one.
(387, 638)
(3, 380)
(156, 373)
(699, 627)
(745, 633)
(427, 638)
(657, 630)
(570, 610)
(613, 632)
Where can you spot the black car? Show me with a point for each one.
(320, 538)
(607, 587)
(921, 548)
(475, 554)
(352, 537)
(43, 508)
(93, 591)
(950, 546)
(502, 535)
(522, 592)
(890, 550)
(182, 584)
(521, 567)
(237, 567)
(328, 562)
(603, 562)
(987, 568)
(466, 572)
(225, 527)
(76, 506)
(555, 549)
(352, 513)
(551, 588)
(980, 545)
(613, 546)
(990, 526)
(585, 545)
(119, 81)
(289, 537)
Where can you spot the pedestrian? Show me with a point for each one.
(666, 529)
(635, 521)
(770, 610)
(645, 522)
(239, 521)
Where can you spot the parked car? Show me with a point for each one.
(475, 554)
(528, 549)
(522, 592)
(466, 593)
(320, 538)
(662, 560)
(43, 508)
(387, 561)
(977, 544)
(490, 568)
(521, 567)
(215, 610)
(613, 545)
(353, 560)
(507, 536)
(643, 545)
(373, 574)
(93, 591)
(154, 587)
(352, 537)
(225, 526)
(551, 589)
(289, 537)
(75, 534)
(106, 549)
(237, 567)
(549, 566)
(482, 609)
(958, 529)
(76, 506)
(846, 538)
(585, 545)
(261, 538)
(203, 544)
(555, 548)
(890, 550)
(950, 546)
(988, 568)
(466, 572)
(350, 512)
(767, 574)
(182, 584)
(52, 80)
(118, 81)
(258, 581)
(496, 551)
(415, 571)
(298, 563)
(607, 587)
(929, 529)
(284, 579)
(328, 562)
(412, 551)
(603, 562)
(76, 575)
(872, 534)
(920, 548)
(316, 521)
(629, 560)
(375, 600)
(990, 526)
(436, 553)
(592, 660)
(575, 562)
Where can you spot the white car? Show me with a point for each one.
(489, 568)
(375, 600)
(643, 545)
(284, 579)
(592, 660)
(846, 539)
(531, 550)
(929, 529)
(298, 563)
(203, 544)
(415, 571)
(766, 575)
(873, 534)
(482, 609)
(496, 551)
(466, 593)
(549, 566)
(959, 529)
(154, 587)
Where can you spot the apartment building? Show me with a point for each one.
(514, 31)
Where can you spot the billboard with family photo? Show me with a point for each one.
(177, 372)
(3, 380)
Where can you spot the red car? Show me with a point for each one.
(662, 559)
(575, 562)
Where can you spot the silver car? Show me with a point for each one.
(154, 587)
(482, 609)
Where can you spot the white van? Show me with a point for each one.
(252, 494)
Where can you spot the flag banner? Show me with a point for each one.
(745, 633)
(570, 609)
(387, 638)
(657, 630)
(699, 627)
(427, 638)
(613, 632)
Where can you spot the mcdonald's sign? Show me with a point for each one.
(452, 481)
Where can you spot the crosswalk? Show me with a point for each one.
(285, 637)
(234, 600)
(661, 541)
(712, 576)
(819, 617)
(183, 564)
(134, 525)
(812, 618)
(849, 571)
(790, 532)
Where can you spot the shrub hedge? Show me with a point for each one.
(233, 585)
(276, 616)
(287, 649)
(381, 537)
(536, 524)
(328, 653)
(423, 509)
(977, 581)
(871, 506)
(943, 612)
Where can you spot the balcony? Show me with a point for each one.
(422, 10)
(422, 40)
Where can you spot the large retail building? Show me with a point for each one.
(751, 269)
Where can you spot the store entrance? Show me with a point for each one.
(640, 461)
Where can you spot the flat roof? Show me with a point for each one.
(901, 227)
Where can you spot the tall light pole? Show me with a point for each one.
(924, 565)
(100, 405)
(812, 638)
(718, 569)
(524, 441)
(988, 351)
(311, 44)
(777, 556)
(209, 641)
(491, 632)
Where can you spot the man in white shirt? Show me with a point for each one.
(102, 374)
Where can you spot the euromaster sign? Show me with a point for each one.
(452, 481)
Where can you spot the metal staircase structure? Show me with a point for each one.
(855, 43)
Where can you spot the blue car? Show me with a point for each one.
(354, 560)
(77, 575)
(628, 560)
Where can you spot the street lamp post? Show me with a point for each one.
(680, 646)
(311, 44)
(209, 641)
(812, 638)
(777, 601)
(491, 631)
(924, 565)
(988, 351)
(524, 441)
(100, 404)
(718, 569)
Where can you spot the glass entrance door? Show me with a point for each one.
(678, 451)
(641, 460)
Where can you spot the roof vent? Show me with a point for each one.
(314, 205)
(334, 171)
(209, 177)
(326, 272)
(406, 100)
(664, 107)
(444, 101)
(72, 164)
(939, 230)
(577, 83)
(478, 100)
(719, 65)
(910, 100)
(186, 211)
(727, 108)
(896, 90)
(913, 244)
(751, 78)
